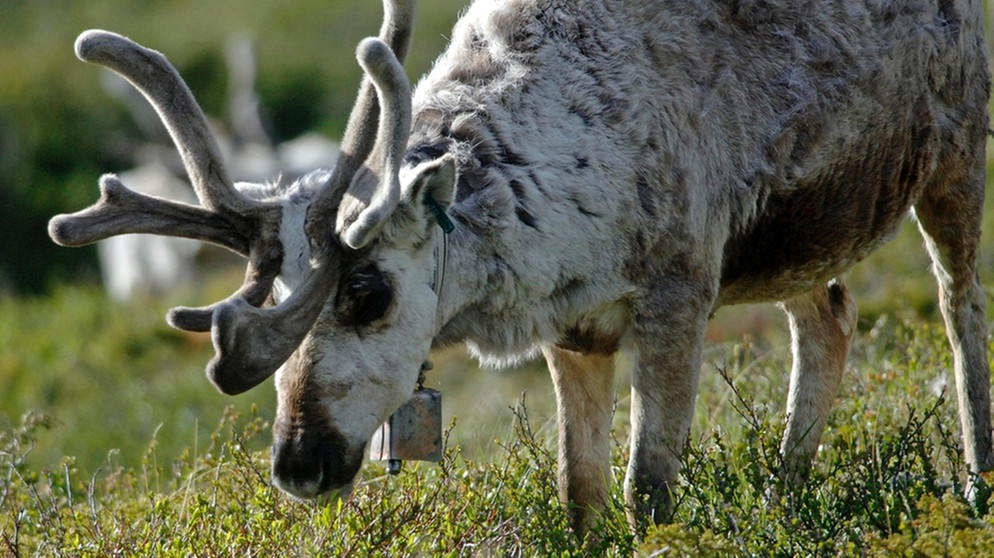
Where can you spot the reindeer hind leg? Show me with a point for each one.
(822, 325)
(949, 217)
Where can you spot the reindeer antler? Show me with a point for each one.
(247, 350)
(228, 218)
(250, 341)
(360, 133)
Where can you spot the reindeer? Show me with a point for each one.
(615, 170)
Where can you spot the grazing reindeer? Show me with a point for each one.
(616, 171)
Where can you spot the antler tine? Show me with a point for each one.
(121, 210)
(227, 218)
(398, 19)
(250, 343)
(360, 132)
(152, 74)
(260, 273)
(398, 22)
(394, 94)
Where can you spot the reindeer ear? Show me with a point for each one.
(430, 185)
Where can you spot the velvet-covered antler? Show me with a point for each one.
(251, 342)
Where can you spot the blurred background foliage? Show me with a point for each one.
(59, 130)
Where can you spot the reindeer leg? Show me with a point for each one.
(668, 338)
(949, 219)
(822, 325)
(584, 385)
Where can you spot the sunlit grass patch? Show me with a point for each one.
(220, 502)
(872, 491)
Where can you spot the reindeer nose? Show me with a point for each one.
(298, 467)
(309, 466)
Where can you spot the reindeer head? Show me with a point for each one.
(338, 298)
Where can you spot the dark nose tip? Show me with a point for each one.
(308, 466)
(297, 467)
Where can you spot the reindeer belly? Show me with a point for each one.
(813, 233)
(837, 195)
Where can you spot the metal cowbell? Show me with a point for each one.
(413, 432)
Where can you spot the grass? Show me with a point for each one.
(887, 480)
(220, 503)
(876, 496)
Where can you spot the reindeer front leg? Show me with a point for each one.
(584, 385)
(668, 339)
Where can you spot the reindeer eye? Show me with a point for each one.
(363, 298)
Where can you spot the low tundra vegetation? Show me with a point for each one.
(887, 480)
